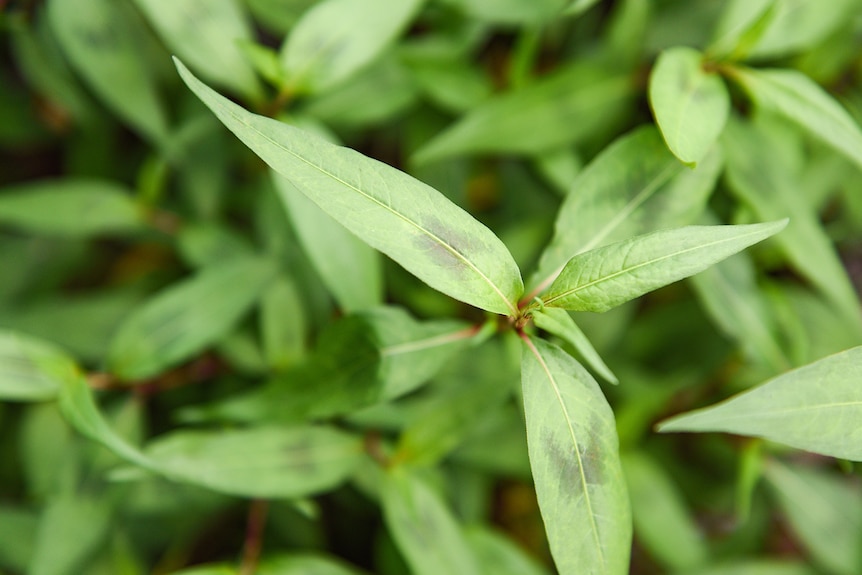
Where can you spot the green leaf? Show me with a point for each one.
(740, 26)
(349, 268)
(101, 40)
(800, 25)
(757, 567)
(813, 407)
(825, 511)
(499, 555)
(729, 293)
(570, 105)
(575, 461)
(606, 277)
(511, 11)
(429, 236)
(337, 38)
(18, 529)
(206, 34)
(261, 462)
(425, 531)
(32, 369)
(690, 104)
(634, 186)
(71, 528)
(799, 99)
(187, 317)
(662, 523)
(561, 324)
(764, 179)
(208, 570)
(282, 323)
(304, 564)
(70, 207)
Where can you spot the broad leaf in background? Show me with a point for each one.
(814, 408)
(187, 317)
(662, 523)
(568, 106)
(575, 462)
(801, 24)
(740, 26)
(70, 207)
(72, 527)
(511, 11)
(730, 295)
(100, 40)
(632, 187)
(825, 512)
(426, 532)
(499, 555)
(412, 223)
(690, 103)
(757, 567)
(559, 323)
(798, 98)
(261, 462)
(606, 277)
(763, 179)
(206, 34)
(282, 323)
(32, 369)
(350, 268)
(336, 38)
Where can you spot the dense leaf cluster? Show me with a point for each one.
(333, 291)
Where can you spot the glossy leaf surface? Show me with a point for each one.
(813, 408)
(187, 317)
(407, 220)
(574, 457)
(606, 277)
(690, 104)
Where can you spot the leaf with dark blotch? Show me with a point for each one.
(574, 457)
(412, 223)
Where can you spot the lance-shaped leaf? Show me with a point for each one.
(816, 407)
(207, 34)
(568, 106)
(305, 563)
(284, 462)
(72, 527)
(100, 39)
(500, 555)
(690, 104)
(187, 317)
(412, 223)
(825, 512)
(560, 323)
(798, 98)
(574, 456)
(606, 277)
(70, 207)
(336, 38)
(32, 369)
(425, 531)
(634, 186)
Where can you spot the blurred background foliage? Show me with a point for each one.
(125, 208)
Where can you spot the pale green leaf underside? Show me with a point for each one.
(798, 98)
(690, 104)
(426, 532)
(412, 223)
(816, 408)
(609, 276)
(560, 323)
(574, 458)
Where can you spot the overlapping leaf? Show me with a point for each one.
(407, 220)
(32, 369)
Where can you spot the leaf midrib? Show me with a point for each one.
(627, 270)
(386, 207)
